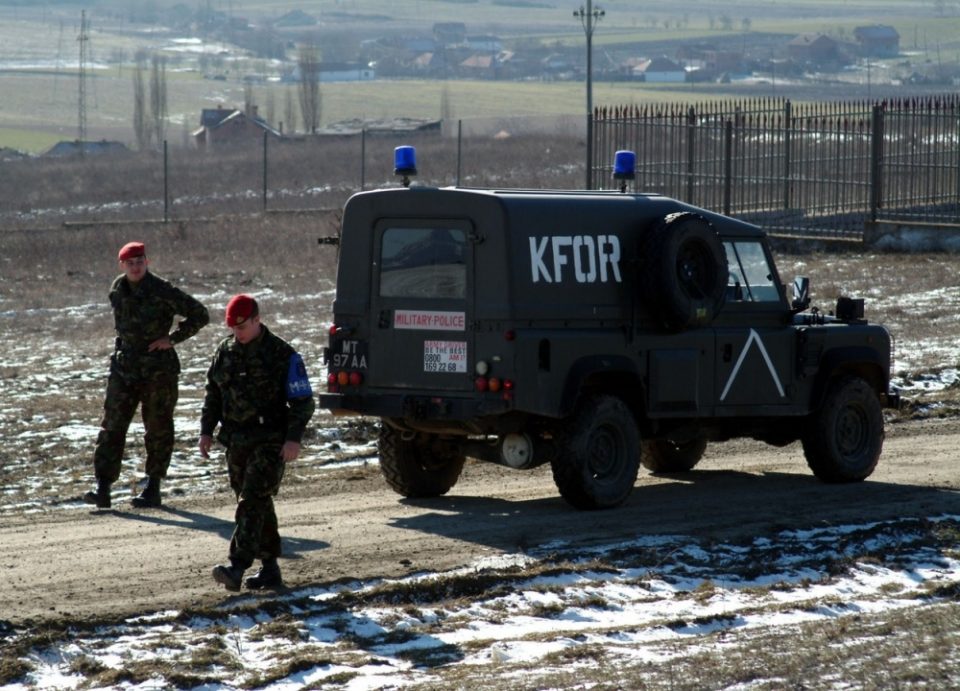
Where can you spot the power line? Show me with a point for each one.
(589, 17)
(84, 40)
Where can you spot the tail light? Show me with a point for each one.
(495, 385)
(336, 381)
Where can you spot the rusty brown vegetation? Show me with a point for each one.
(311, 173)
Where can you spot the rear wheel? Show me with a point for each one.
(598, 454)
(414, 465)
(845, 437)
(668, 456)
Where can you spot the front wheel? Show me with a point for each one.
(416, 467)
(668, 456)
(845, 437)
(598, 454)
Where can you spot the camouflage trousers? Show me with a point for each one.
(157, 398)
(255, 473)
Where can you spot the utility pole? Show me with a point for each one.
(588, 18)
(84, 40)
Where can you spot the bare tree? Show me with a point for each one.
(289, 112)
(158, 98)
(446, 106)
(119, 56)
(308, 60)
(271, 107)
(141, 131)
(247, 97)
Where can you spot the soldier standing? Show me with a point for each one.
(144, 371)
(258, 392)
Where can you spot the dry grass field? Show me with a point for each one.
(55, 341)
(39, 59)
(55, 268)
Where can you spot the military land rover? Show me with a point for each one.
(595, 331)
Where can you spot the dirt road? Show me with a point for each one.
(77, 563)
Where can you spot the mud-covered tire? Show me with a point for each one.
(845, 436)
(415, 467)
(668, 456)
(684, 272)
(598, 454)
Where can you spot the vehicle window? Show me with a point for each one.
(751, 279)
(423, 263)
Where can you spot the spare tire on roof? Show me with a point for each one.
(684, 271)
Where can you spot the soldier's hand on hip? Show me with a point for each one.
(290, 450)
(162, 343)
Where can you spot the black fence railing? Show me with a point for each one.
(830, 170)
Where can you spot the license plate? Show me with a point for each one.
(348, 354)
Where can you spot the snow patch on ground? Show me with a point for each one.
(636, 598)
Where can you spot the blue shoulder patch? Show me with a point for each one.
(298, 385)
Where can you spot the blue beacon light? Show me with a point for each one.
(624, 167)
(405, 163)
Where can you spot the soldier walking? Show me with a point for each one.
(258, 392)
(144, 371)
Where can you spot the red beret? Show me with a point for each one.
(241, 308)
(131, 250)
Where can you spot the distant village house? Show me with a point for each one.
(85, 148)
(659, 69)
(815, 48)
(222, 126)
(337, 72)
(877, 40)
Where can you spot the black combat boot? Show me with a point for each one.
(150, 496)
(230, 577)
(99, 497)
(267, 577)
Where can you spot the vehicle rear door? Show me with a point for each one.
(422, 305)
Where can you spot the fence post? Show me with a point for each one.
(590, 153)
(876, 173)
(787, 132)
(264, 170)
(956, 171)
(166, 184)
(459, 147)
(727, 166)
(691, 149)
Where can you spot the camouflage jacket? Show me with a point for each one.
(257, 391)
(142, 314)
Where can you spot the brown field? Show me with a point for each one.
(56, 337)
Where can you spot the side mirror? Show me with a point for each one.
(801, 293)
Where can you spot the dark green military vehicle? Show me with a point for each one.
(595, 331)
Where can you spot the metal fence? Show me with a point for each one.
(830, 170)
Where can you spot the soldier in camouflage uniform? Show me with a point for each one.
(144, 371)
(258, 392)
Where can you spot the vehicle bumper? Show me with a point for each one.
(412, 406)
